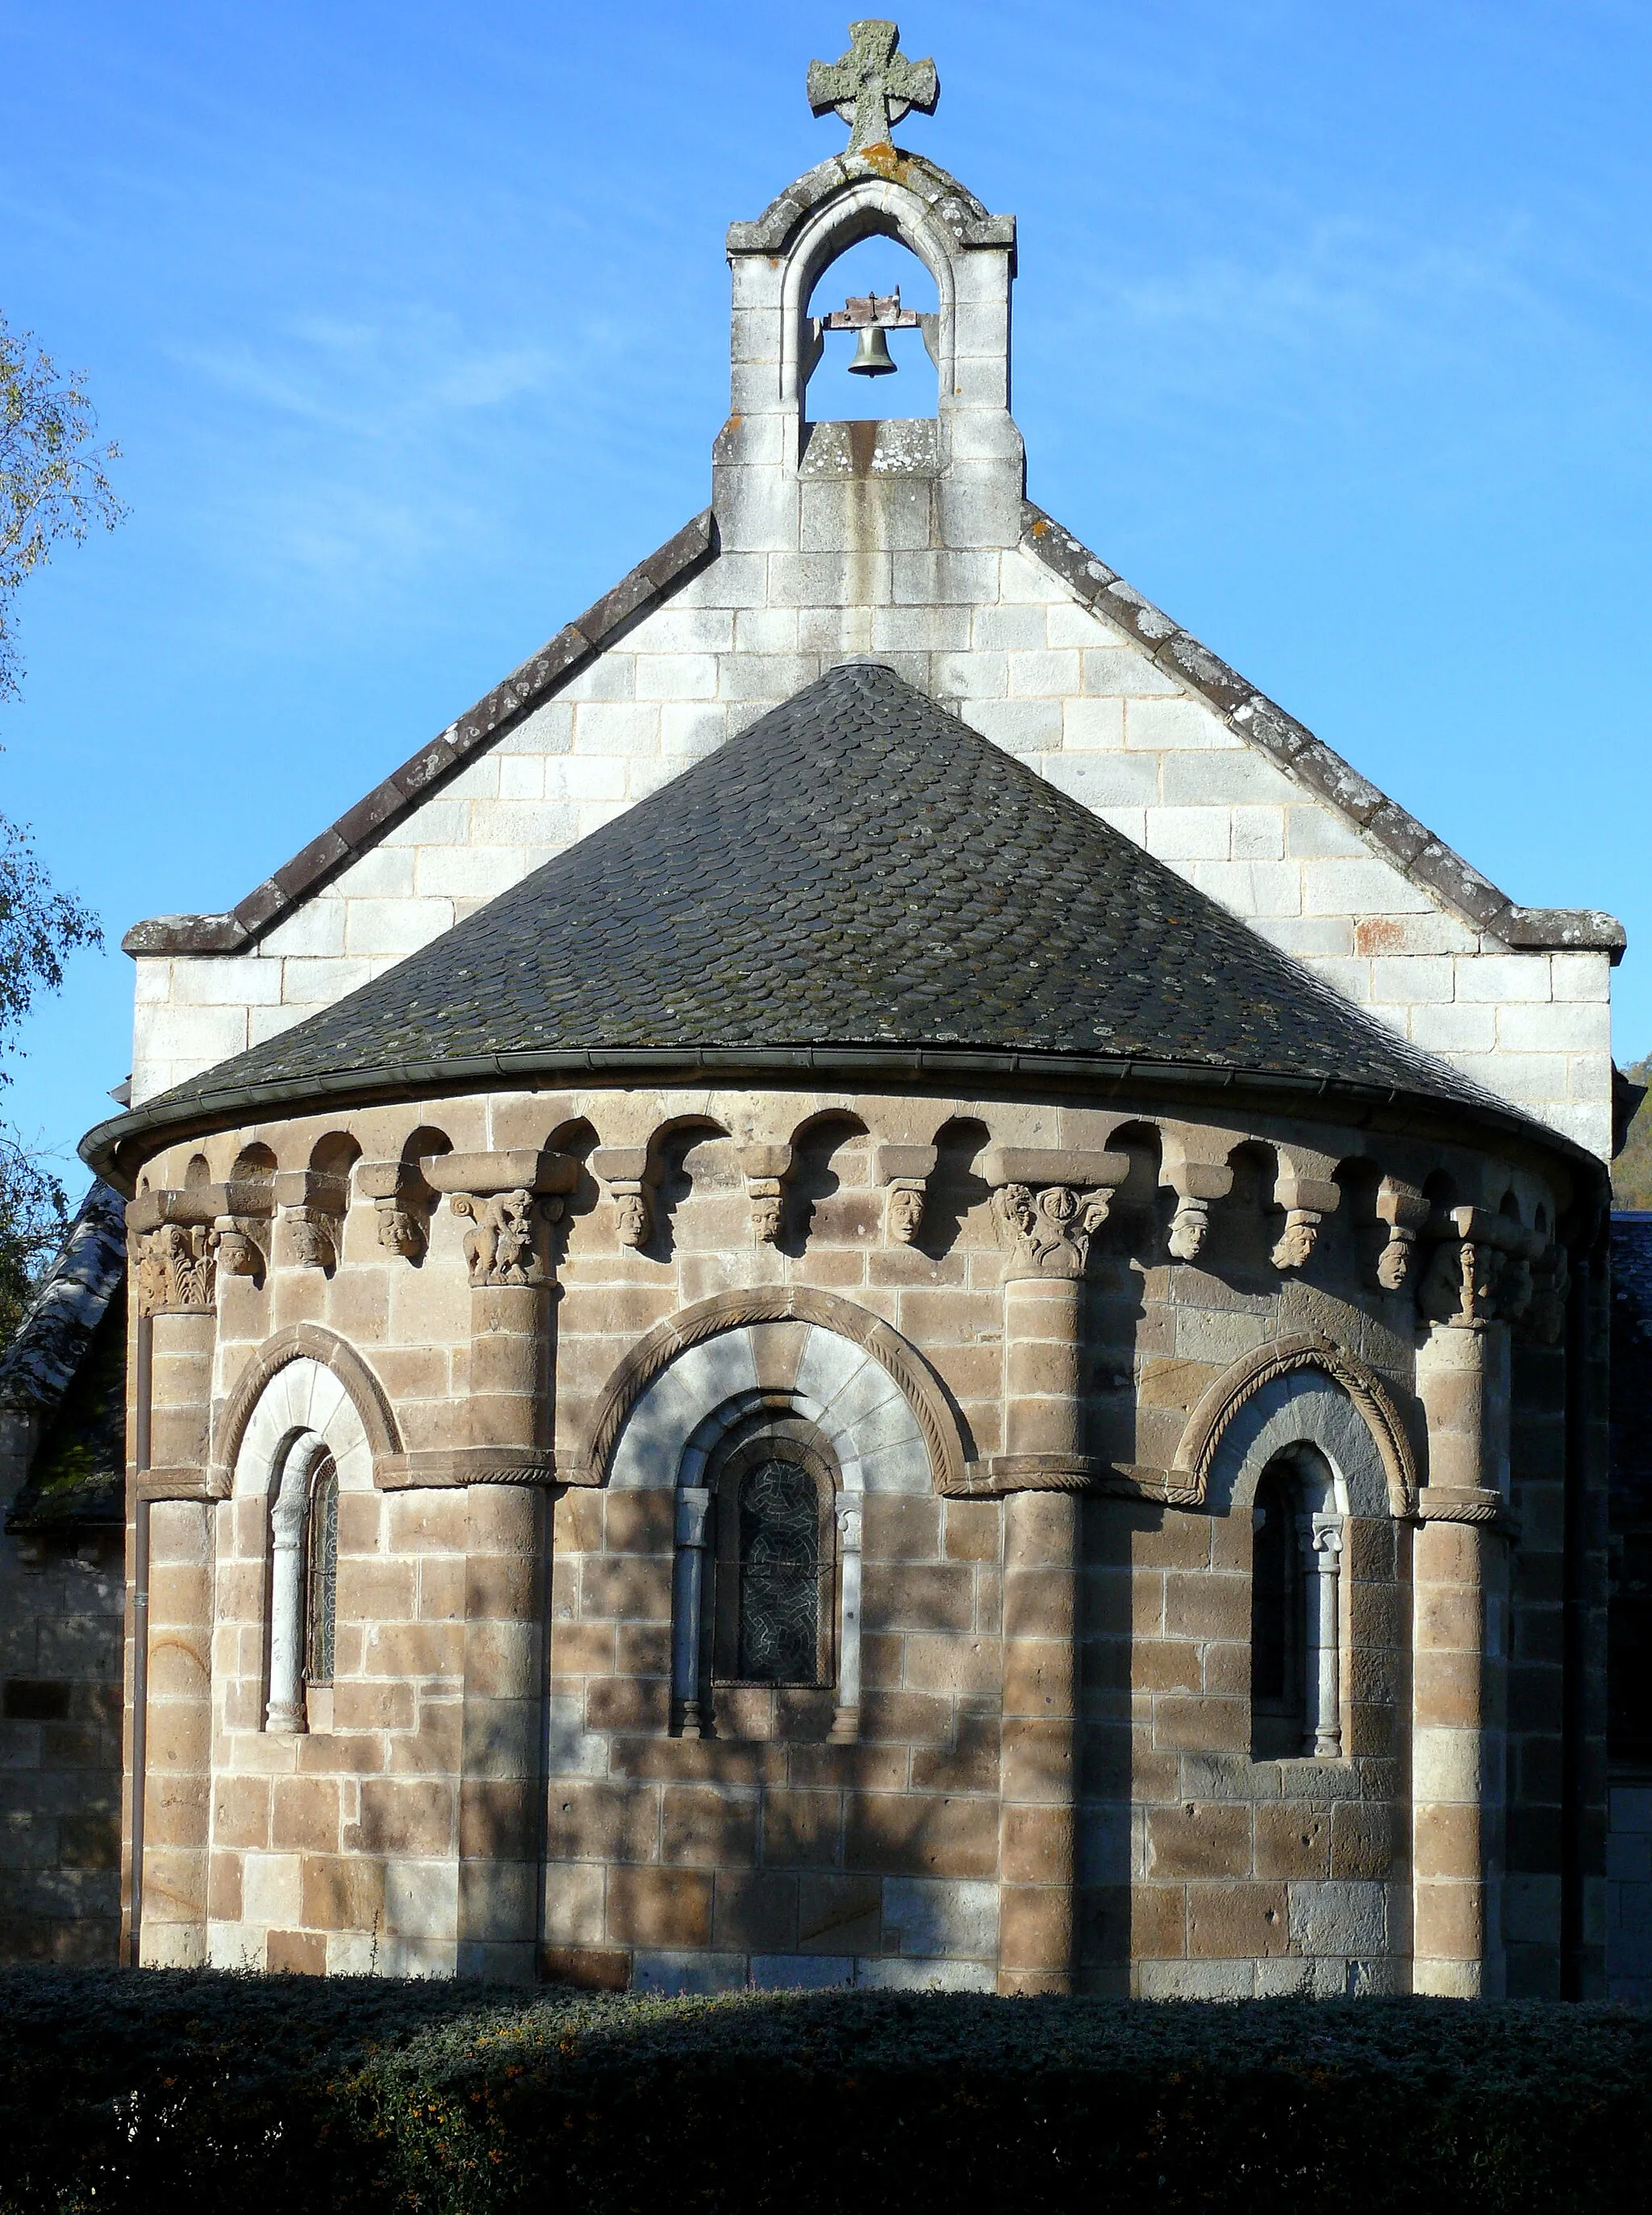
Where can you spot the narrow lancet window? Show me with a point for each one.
(1295, 1608)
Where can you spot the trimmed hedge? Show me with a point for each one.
(123, 2091)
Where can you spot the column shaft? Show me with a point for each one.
(1459, 1577)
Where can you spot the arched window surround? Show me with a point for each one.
(696, 1600)
(303, 1423)
(880, 1415)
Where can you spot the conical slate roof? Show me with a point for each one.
(858, 870)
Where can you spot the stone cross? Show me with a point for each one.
(873, 85)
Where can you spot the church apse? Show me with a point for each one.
(929, 1339)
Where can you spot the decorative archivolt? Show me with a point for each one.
(1236, 1387)
(912, 1374)
(303, 1342)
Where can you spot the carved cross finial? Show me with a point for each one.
(873, 85)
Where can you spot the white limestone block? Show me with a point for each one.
(1176, 725)
(1207, 775)
(1097, 726)
(616, 726)
(1455, 1029)
(1339, 1917)
(1126, 672)
(972, 676)
(1413, 978)
(942, 1919)
(1103, 780)
(1556, 1027)
(1007, 630)
(1020, 726)
(1036, 672)
(421, 1897)
(1189, 834)
(1504, 977)
(271, 1889)
(672, 1976)
(1358, 888)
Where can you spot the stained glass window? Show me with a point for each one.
(779, 1574)
(321, 1575)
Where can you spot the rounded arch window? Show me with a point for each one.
(1295, 1609)
(774, 1551)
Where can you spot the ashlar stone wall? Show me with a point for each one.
(1046, 1771)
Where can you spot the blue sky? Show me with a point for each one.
(1334, 333)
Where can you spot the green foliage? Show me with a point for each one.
(34, 1218)
(54, 482)
(40, 927)
(1631, 1173)
(161, 2089)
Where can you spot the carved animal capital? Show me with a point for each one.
(503, 1247)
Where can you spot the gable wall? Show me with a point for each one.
(997, 637)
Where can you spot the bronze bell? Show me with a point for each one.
(872, 356)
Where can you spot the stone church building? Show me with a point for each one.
(875, 1284)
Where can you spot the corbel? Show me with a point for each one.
(1403, 1211)
(1307, 1190)
(1195, 1166)
(632, 1178)
(313, 1204)
(768, 1169)
(906, 1170)
(403, 1199)
(246, 1209)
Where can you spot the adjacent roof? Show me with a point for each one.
(858, 873)
(67, 1366)
(1413, 850)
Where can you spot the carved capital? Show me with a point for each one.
(1046, 1232)
(1048, 1202)
(177, 1270)
(503, 1247)
(1459, 1287)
